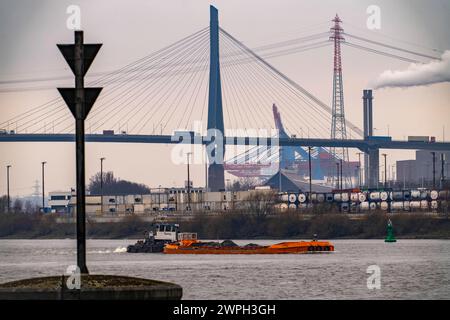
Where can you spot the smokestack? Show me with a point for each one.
(367, 113)
(368, 131)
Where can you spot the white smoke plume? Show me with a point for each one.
(416, 74)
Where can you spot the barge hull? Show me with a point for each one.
(281, 248)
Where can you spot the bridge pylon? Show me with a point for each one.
(216, 171)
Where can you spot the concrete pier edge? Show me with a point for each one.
(93, 287)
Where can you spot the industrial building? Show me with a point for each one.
(167, 199)
(58, 201)
(419, 171)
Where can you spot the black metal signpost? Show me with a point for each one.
(80, 100)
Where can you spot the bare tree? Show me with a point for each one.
(261, 203)
(115, 186)
(3, 204)
(17, 205)
(244, 184)
(30, 207)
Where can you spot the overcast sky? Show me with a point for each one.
(129, 30)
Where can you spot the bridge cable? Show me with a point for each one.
(196, 50)
(111, 74)
(294, 84)
(270, 84)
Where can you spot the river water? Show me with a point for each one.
(410, 269)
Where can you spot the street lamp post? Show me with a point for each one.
(357, 173)
(188, 183)
(159, 197)
(341, 173)
(310, 174)
(359, 168)
(43, 185)
(393, 177)
(101, 182)
(206, 170)
(385, 170)
(280, 166)
(442, 170)
(337, 175)
(404, 176)
(7, 187)
(434, 169)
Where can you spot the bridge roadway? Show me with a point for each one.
(363, 145)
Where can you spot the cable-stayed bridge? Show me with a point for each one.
(212, 79)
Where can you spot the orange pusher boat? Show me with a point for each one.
(189, 244)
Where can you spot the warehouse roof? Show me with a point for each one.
(293, 182)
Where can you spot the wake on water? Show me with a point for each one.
(120, 250)
(117, 250)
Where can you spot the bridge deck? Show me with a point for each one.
(166, 139)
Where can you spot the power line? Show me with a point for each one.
(379, 52)
(380, 34)
(290, 42)
(391, 47)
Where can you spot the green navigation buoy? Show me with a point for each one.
(390, 233)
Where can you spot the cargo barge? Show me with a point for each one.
(189, 244)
